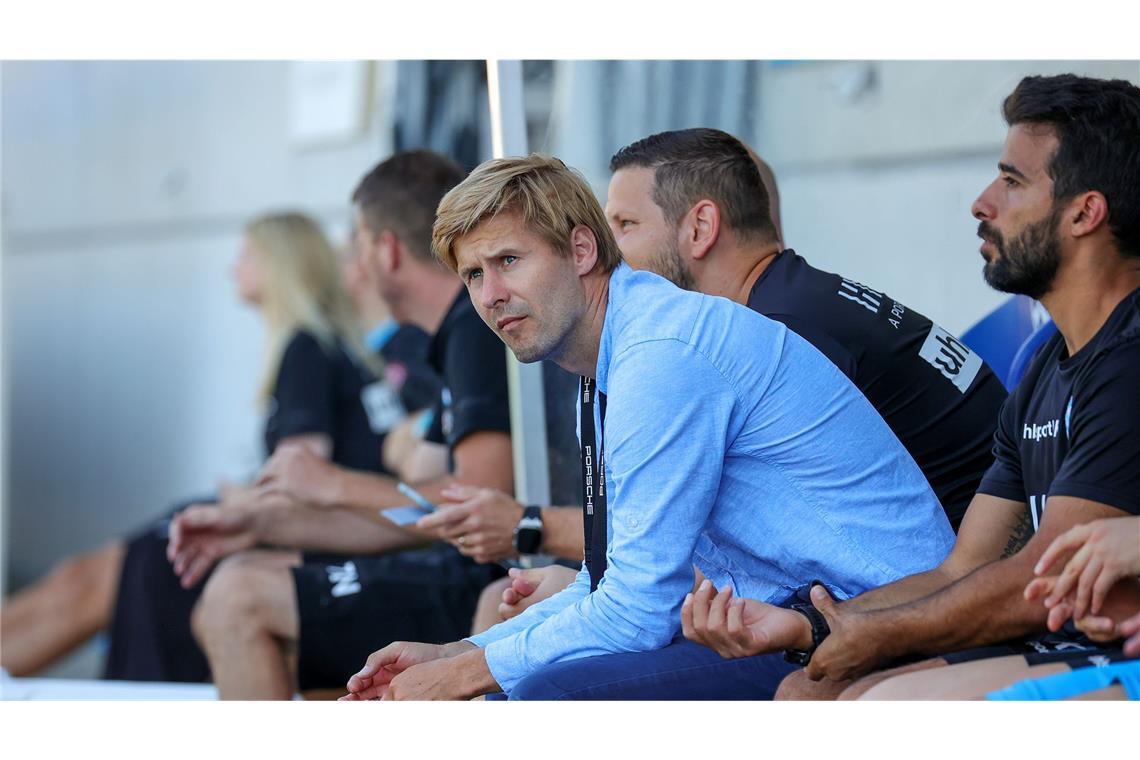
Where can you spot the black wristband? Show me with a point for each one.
(819, 629)
(528, 533)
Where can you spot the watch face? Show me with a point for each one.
(527, 540)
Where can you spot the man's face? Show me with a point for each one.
(366, 244)
(1018, 219)
(646, 238)
(525, 291)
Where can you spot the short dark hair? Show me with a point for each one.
(1097, 124)
(691, 164)
(402, 193)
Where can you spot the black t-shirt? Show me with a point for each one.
(326, 392)
(1072, 425)
(473, 364)
(406, 368)
(940, 399)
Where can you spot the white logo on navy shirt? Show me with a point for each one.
(868, 298)
(383, 407)
(1034, 432)
(950, 356)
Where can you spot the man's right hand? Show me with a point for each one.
(529, 587)
(480, 523)
(387, 663)
(297, 472)
(202, 534)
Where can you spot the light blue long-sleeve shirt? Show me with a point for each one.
(734, 445)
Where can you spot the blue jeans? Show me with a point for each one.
(682, 670)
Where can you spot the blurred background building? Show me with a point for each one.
(129, 365)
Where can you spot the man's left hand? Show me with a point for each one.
(849, 651)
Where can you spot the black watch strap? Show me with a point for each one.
(819, 631)
(528, 533)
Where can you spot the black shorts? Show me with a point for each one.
(351, 606)
(1067, 646)
(150, 631)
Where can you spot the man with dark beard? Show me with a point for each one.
(1061, 223)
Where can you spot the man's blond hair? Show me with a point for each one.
(551, 197)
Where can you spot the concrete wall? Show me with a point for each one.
(131, 367)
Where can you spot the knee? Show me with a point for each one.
(230, 604)
(799, 687)
(794, 686)
(487, 610)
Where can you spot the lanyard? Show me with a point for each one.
(593, 483)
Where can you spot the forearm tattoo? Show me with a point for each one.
(1020, 535)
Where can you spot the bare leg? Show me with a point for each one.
(868, 682)
(487, 610)
(797, 686)
(967, 680)
(56, 614)
(247, 623)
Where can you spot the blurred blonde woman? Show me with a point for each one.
(314, 376)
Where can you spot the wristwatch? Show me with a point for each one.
(528, 533)
(819, 628)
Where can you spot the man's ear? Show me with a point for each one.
(700, 228)
(584, 249)
(1086, 213)
(389, 252)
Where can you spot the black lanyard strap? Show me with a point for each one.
(593, 482)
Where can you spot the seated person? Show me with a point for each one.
(270, 625)
(315, 374)
(1100, 555)
(1063, 226)
(692, 206)
(715, 437)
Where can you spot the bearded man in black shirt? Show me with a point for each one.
(692, 206)
(1060, 223)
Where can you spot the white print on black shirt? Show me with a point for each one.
(1034, 432)
(897, 311)
(344, 579)
(866, 297)
(382, 406)
(950, 356)
(447, 421)
(1036, 510)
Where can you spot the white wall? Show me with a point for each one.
(876, 183)
(131, 368)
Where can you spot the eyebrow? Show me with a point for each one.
(508, 251)
(1012, 170)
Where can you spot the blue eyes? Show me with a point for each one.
(503, 260)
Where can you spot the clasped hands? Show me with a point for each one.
(1102, 554)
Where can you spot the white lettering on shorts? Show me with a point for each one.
(343, 578)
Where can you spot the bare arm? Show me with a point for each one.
(982, 607)
(317, 491)
(992, 529)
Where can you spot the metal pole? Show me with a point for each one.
(524, 381)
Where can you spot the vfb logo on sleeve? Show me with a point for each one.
(950, 356)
